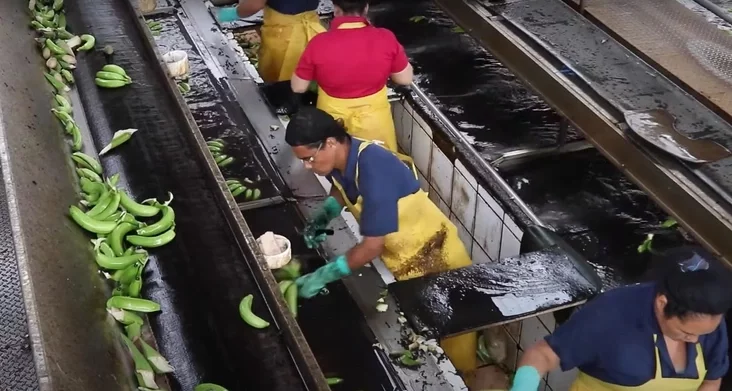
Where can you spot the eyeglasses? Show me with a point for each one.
(311, 159)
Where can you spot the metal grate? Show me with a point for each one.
(17, 368)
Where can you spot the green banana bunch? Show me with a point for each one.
(111, 76)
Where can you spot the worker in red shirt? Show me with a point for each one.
(288, 27)
(351, 64)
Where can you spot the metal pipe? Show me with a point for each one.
(715, 9)
(497, 177)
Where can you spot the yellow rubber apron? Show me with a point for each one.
(284, 38)
(368, 117)
(586, 382)
(427, 242)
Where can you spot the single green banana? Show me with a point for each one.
(89, 42)
(128, 274)
(162, 225)
(117, 263)
(114, 69)
(137, 209)
(104, 200)
(85, 172)
(116, 237)
(245, 311)
(238, 191)
(87, 161)
(226, 162)
(125, 317)
(216, 143)
(110, 83)
(90, 224)
(68, 76)
(291, 299)
(61, 23)
(76, 142)
(111, 76)
(133, 304)
(152, 241)
(58, 85)
(135, 287)
(55, 49)
(111, 208)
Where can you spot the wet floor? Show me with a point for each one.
(333, 325)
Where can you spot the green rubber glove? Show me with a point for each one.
(527, 378)
(311, 284)
(227, 14)
(313, 234)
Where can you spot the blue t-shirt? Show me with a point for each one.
(293, 7)
(611, 339)
(383, 180)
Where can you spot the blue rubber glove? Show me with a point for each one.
(330, 210)
(311, 284)
(527, 378)
(227, 14)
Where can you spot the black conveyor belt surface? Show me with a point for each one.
(17, 369)
(618, 76)
(202, 275)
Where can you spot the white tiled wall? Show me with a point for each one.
(486, 230)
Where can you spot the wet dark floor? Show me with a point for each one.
(471, 87)
(333, 325)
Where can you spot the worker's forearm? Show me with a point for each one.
(364, 252)
(247, 8)
(711, 385)
(540, 356)
(335, 193)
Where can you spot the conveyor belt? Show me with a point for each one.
(200, 277)
(677, 39)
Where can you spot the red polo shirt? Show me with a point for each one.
(352, 62)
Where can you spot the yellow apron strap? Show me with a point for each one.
(404, 158)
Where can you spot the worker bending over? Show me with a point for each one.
(397, 220)
(351, 64)
(288, 27)
(664, 336)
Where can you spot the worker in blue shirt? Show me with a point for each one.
(397, 220)
(287, 28)
(669, 335)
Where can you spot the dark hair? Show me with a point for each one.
(311, 127)
(351, 6)
(694, 282)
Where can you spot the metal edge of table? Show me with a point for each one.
(299, 349)
(366, 287)
(660, 177)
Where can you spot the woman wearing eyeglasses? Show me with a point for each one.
(398, 222)
(669, 335)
